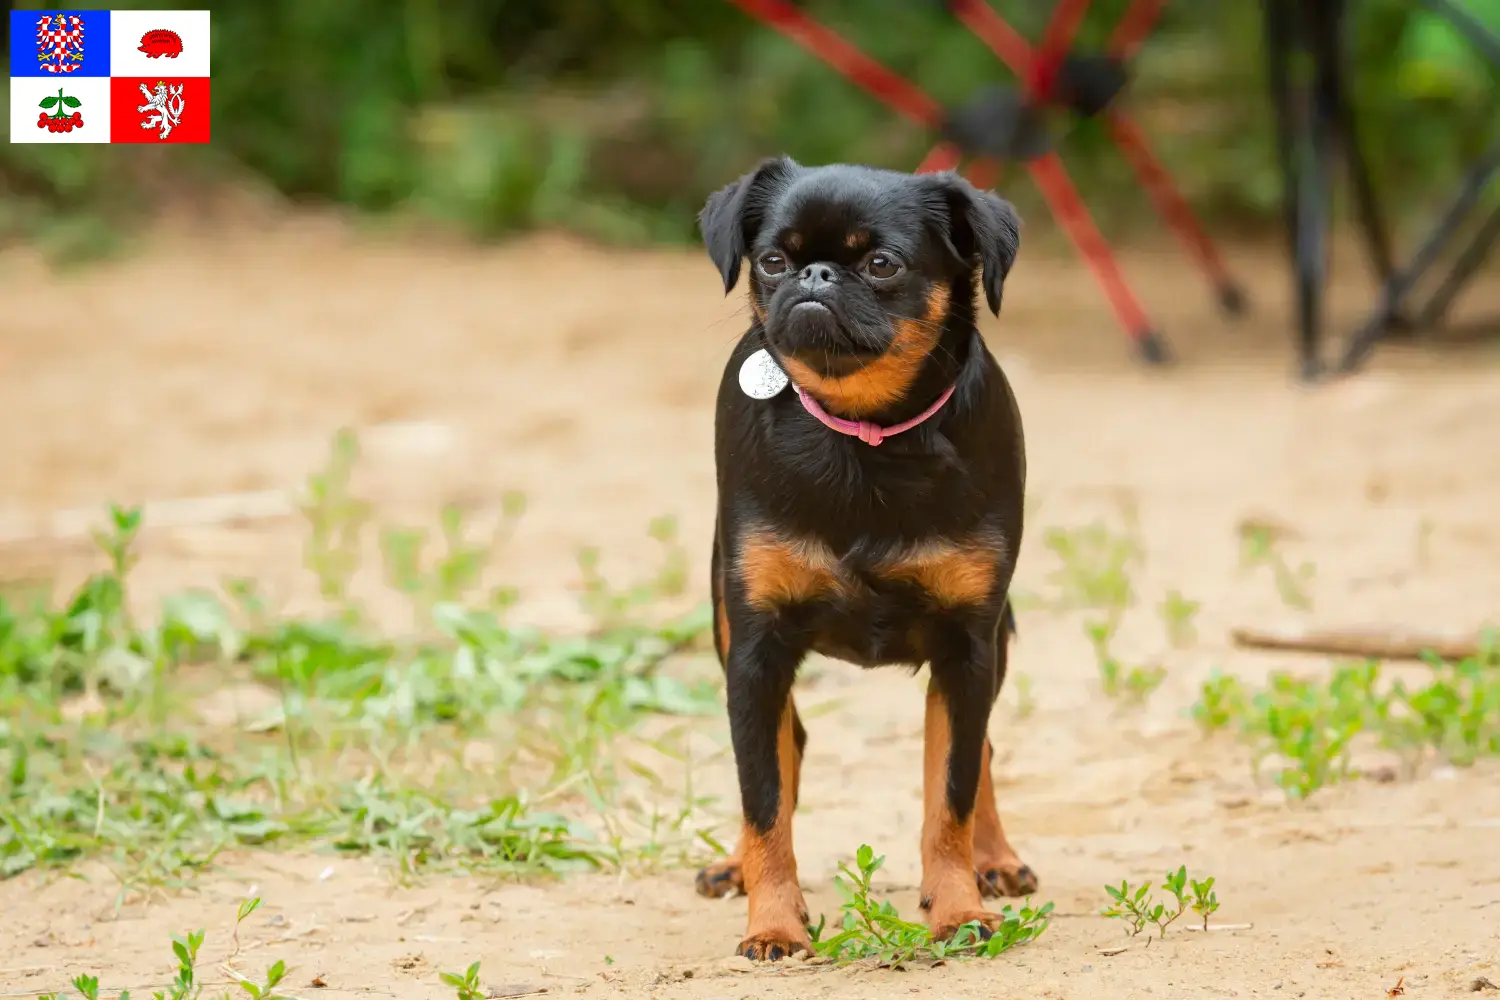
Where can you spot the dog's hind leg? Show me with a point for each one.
(997, 868)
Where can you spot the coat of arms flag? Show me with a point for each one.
(139, 76)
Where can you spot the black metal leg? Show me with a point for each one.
(1301, 200)
(1435, 312)
(1393, 294)
(1313, 247)
(1334, 88)
(1469, 26)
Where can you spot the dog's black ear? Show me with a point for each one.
(731, 218)
(982, 230)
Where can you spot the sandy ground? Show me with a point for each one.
(585, 377)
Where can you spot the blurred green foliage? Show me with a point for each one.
(616, 117)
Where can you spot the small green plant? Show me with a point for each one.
(1308, 728)
(465, 984)
(456, 570)
(1096, 564)
(1132, 904)
(1025, 698)
(1133, 684)
(608, 605)
(1137, 908)
(185, 984)
(1221, 700)
(186, 950)
(1205, 901)
(871, 929)
(1260, 546)
(336, 520)
(1177, 884)
(264, 990)
(247, 907)
(1177, 614)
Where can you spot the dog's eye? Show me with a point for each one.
(881, 266)
(772, 264)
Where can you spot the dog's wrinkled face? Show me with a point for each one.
(853, 269)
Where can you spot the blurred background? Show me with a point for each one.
(614, 118)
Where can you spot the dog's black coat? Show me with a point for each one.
(957, 479)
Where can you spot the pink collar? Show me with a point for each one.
(870, 434)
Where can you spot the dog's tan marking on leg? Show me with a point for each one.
(776, 571)
(778, 912)
(954, 575)
(886, 379)
(949, 892)
(997, 867)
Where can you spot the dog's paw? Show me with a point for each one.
(775, 945)
(947, 925)
(720, 879)
(1013, 879)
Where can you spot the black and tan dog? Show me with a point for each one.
(870, 474)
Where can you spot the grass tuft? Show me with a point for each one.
(471, 742)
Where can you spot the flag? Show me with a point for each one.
(139, 76)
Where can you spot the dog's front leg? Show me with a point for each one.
(760, 668)
(959, 696)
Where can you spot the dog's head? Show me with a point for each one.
(854, 271)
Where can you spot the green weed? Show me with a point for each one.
(1177, 614)
(1133, 684)
(1095, 570)
(1137, 907)
(875, 930)
(1221, 700)
(351, 740)
(1025, 698)
(187, 983)
(465, 984)
(1308, 729)
(1260, 546)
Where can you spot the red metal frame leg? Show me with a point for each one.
(983, 173)
(859, 68)
(1007, 43)
(1172, 207)
(1133, 27)
(944, 156)
(1050, 177)
(1036, 68)
(1066, 18)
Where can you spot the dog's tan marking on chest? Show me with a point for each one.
(886, 379)
(954, 575)
(776, 571)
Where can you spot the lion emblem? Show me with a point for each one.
(163, 107)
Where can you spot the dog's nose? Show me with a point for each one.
(816, 277)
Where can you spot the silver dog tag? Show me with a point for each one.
(761, 377)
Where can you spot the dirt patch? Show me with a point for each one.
(586, 377)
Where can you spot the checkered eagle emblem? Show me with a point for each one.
(59, 42)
